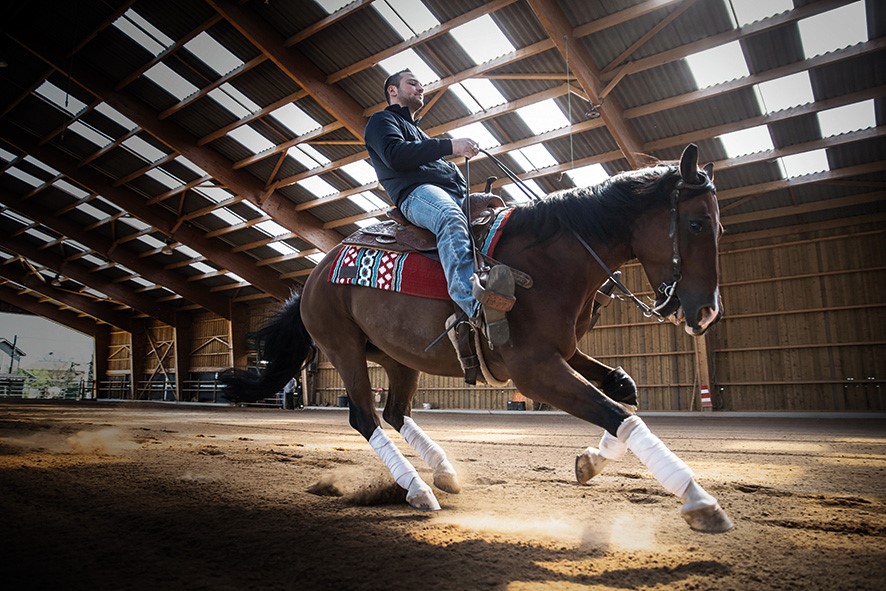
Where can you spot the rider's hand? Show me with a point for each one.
(465, 147)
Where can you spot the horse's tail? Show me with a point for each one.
(284, 344)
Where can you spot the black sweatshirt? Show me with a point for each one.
(404, 157)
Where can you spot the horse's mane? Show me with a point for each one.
(603, 212)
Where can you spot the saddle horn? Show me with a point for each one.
(489, 182)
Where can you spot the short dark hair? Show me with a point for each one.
(394, 80)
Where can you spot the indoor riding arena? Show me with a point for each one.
(173, 172)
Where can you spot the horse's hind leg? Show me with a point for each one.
(617, 385)
(403, 383)
(351, 365)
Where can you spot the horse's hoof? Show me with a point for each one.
(422, 497)
(702, 511)
(588, 464)
(711, 519)
(447, 482)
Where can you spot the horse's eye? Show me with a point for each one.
(695, 227)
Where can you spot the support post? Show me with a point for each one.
(184, 333)
(703, 372)
(138, 350)
(101, 351)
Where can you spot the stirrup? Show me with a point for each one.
(496, 299)
(461, 336)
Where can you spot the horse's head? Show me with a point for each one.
(677, 246)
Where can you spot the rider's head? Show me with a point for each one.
(404, 89)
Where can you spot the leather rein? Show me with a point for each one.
(667, 289)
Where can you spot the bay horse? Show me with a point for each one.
(666, 216)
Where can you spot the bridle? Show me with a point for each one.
(667, 289)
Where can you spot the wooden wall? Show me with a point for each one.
(804, 329)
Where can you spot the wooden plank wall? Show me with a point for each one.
(209, 346)
(804, 330)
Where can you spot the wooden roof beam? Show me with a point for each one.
(77, 301)
(294, 64)
(157, 217)
(580, 62)
(143, 115)
(73, 321)
(122, 294)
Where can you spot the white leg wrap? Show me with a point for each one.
(430, 452)
(611, 447)
(673, 474)
(418, 494)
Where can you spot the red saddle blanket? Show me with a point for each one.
(411, 273)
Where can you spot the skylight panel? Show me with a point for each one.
(114, 115)
(407, 17)
(143, 32)
(361, 171)
(588, 176)
(834, 29)
(92, 211)
(517, 194)
(316, 257)
(188, 251)
(144, 149)
(39, 164)
(203, 267)
(96, 293)
(251, 139)
(482, 39)
(190, 165)
(317, 186)
(214, 194)
(294, 119)
(805, 163)
(235, 277)
(749, 11)
(717, 65)
(39, 235)
(142, 281)
(17, 217)
(230, 103)
(151, 241)
(331, 6)
(90, 133)
(313, 153)
(213, 54)
(478, 133)
(367, 201)
(484, 92)
(747, 141)
(283, 248)
(24, 176)
(786, 92)
(164, 178)
(272, 228)
(8, 156)
(543, 116)
(170, 81)
(228, 216)
(71, 189)
(300, 156)
(60, 98)
(134, 222)
(409, 60)
(847, 118)
(94, 260)
(533, 157)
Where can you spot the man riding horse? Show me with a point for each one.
(429, 190)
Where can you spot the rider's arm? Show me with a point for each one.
(385, 137)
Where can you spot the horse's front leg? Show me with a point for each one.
(555, 382)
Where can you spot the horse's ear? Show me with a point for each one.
(689, 164)
(709, 170)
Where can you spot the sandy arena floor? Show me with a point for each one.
(123, 496)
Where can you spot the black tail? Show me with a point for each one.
(286, 346)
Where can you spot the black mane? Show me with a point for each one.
(604, 212)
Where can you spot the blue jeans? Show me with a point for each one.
(432, 208)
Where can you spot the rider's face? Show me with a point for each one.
(409, 92)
